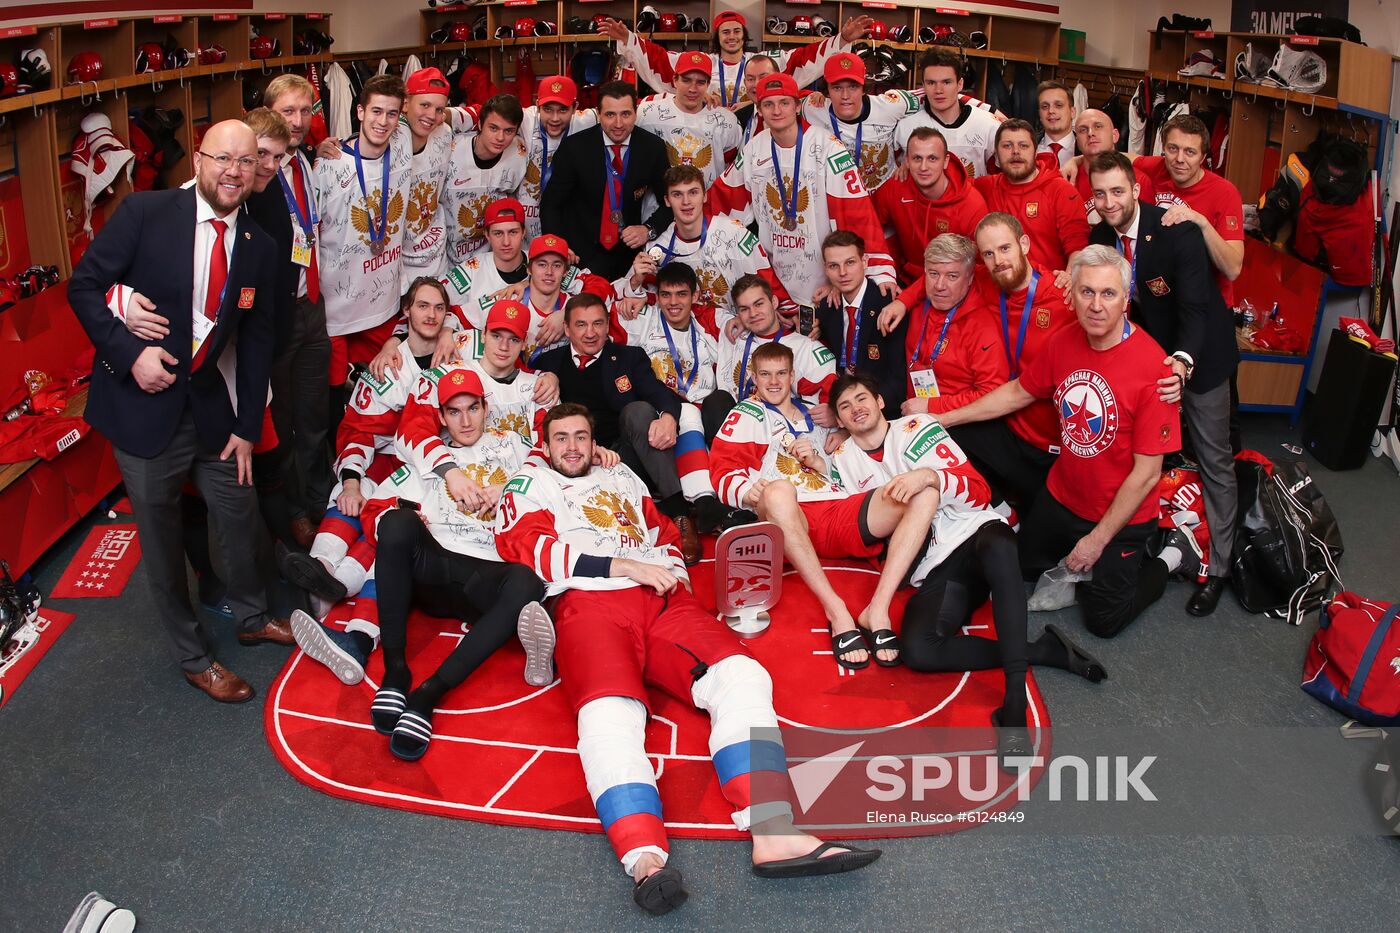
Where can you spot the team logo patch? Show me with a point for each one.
(1158, 286)
(520, 484)
(399, 476)
(823, 355)
(245, 298)
(747, 244)
(1033, 209)
(873, 352)
(942, 225)
(512, 312)
(556, 87)
(457, 378)
(623, 384)
(459, 279)
(1232, 223)
(1042, 318)
(841, 161)
(1166, 431)
(1088, 413)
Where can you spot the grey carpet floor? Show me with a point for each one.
(118, 777)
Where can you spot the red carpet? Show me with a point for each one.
(504, 752)
(27, 647)
(102, 565)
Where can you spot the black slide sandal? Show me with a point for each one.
(848, 643)
(1081, 662)
(811, 864)
(883, 639)
(660, 892)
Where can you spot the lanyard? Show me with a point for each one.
(738, 80)
(1014, 364)
(670, 250)
(748, 124)
(836, 131)
(1132, 282)
(615, 192)
(694, 355)
(923, 330)
(305, 222)
(546, 166)
(806, 417)
(1127, 328)
(789, 202)
(375, 236)
(852, 341)
(744, 364)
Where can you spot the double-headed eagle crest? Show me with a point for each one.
(800, 475)
(775, 201)
(422, 205)
(360, 217)
(607, 510)
(687, 150)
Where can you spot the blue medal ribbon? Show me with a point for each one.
(789, 200)
(923, 330)
(738, 80)
(810, 426)
(852, 341)
(615, 193)
(670, 250)
(545, 165)
(1013, 363)
(836, 131)
(307, 223)
(684, 388)
(744, 363)
(375, 236)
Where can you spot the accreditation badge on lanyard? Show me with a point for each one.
(922, 378)
(303, 235)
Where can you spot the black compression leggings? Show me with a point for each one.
(413, 569)
(984, 564)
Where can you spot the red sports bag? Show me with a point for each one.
(1353, 663)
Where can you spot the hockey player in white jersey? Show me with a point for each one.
(486, 165)
(800, 183)
(865, 123)
(555, 114)
(695, 132)
(971, 553)
(969, 130)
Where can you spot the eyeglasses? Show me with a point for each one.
(245, 164)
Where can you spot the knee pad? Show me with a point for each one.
(690, 418)
(612, 744)
(737, 692)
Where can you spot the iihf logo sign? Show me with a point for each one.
(1088, 413)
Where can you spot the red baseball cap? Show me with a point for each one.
(547, 244)
(426, 81)
(776, 85)
(844, 66)
(694, 61)
(456, 382)
(557, 89)
(504, 211)
(509, 315)
(729, 16)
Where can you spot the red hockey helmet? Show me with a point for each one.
(149, 57)
(877, 29)
(211, 54)
(264, 47)
(668, 23)
(802, 25)
(598, 21)
(460, 31)
(85, 66)
(524, 26)
(9, 80)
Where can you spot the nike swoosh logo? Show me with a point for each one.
(1129, 552)
(906, 200)
(986, 348)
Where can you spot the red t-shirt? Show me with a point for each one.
(1109, 410)
(967, 363)
(1146, 191)
(1216, 198)
(1036, 424)
(1049, 210)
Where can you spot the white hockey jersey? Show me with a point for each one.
(829, 196)
(813, 365)
(971, 137)
(911, 443)
(491, 461)
(673, 367)
(568, 529)
(510, 408)
(470, 188)
(754, 445)
(425, 233)
(725, 251)
(541, 148)
(706, 140)
(360, 278)
(372, 417)
(656, 65)
(876, 132)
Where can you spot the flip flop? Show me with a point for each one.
(847, 643)
(386, 709)
(1012, 742)
(883, 639)
(411, 736)
(660, 892)
(1081, 662)
(806, 866)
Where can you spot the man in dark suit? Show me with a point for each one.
(600, 176)
(635, 413)
(1176, 300)
(847, 320)
(164, 404)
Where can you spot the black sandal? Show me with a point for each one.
(1081, 662)
(847, 644)
(660, 892)
(883, 639)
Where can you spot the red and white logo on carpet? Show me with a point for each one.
(505, 752)
(102, 565)
(27, 646)
(1088, 413)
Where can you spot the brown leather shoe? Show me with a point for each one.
(690, 539)
(275, 632)
(303, 532)
(221, 684)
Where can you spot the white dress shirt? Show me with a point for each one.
(1066, 147)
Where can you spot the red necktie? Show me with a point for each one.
(1056, 148)
(584, 359)
(313, 277)
(610, 232)
(214, 292)
(851, 312)
(1128, 248)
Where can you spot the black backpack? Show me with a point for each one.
(1284, 564)
(1329, 27)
